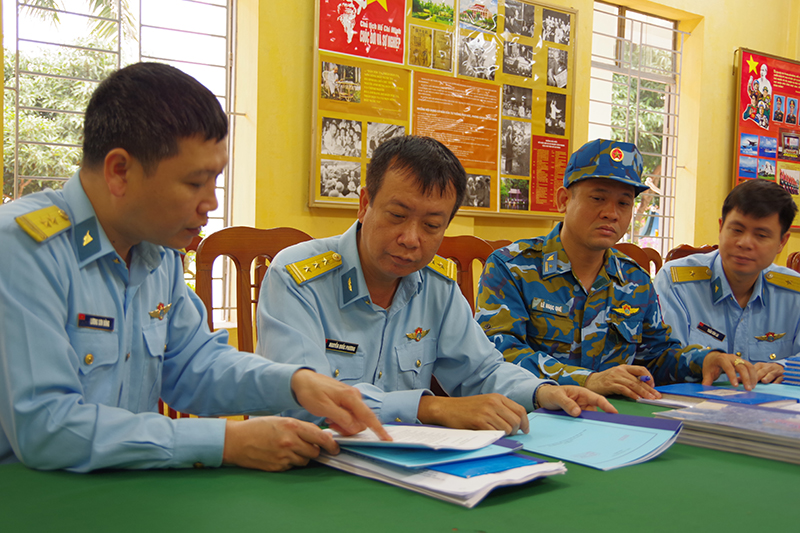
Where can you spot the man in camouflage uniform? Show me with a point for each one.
(569, 307)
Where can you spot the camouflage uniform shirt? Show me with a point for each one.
(539, 316)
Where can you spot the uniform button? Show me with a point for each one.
(336, 257)
(165, 347)
(336, 373)
(397, 420)
(89, 359)
(419, 363)
(772, 356)
(769, 275)
(738, 354)
(127, 356)
(380, 374)
(198, 464)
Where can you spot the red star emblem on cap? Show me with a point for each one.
(617, 155)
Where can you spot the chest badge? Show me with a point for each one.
(770, 336)
(418, 334)
(626, 310)
(160, 312)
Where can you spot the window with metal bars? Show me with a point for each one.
(634, 97)
(57, 51)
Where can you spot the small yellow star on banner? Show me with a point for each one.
(381, 2)
(752, 65)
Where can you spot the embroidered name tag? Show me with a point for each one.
(711, 331)
(341, 346)
(95, 322)
(537, 304)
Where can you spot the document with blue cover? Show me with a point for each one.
(690, 394)
(596, 439)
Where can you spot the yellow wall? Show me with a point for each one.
(718, 28)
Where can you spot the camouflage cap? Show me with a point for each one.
(602, 158)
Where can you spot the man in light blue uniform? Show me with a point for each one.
(734, 299)
(97, 322)
(376, 309)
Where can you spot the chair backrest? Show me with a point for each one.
(463, 249)
(793, 261)
(644, 256)
(499, 243)
(684, 249)
(244, 246)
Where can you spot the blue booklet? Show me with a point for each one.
(488, 465)
(722, 394)
(423, 458)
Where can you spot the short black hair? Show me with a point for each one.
(427, 160)
(146, 108)
(759, 199)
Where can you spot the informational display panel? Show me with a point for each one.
(767, 133)
(491, 79)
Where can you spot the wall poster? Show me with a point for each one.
(491, 79)
(767, 133)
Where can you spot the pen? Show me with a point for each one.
(644, 378)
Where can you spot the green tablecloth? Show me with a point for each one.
(686, 488)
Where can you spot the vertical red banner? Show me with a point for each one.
(549, 161)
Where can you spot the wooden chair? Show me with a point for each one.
(244, 246)
(499, 243)
(464, 249)
(644, 256)
(684, 249)
(793, 261)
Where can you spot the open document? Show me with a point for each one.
(419, 436)
(596, 439)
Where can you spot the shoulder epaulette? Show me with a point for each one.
(44, 223)
(689, 273)
(312, 267)
(787, 281)
(444, 267)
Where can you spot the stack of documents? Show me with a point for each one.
(454, 465)
(791, 372)
(596, 439)
(751, 430)
(691, 394)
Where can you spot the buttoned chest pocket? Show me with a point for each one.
(624, 335)
(346, 366)
(415, 364)
(550, 333)
(764, 351)
(155, 343)
(98, 355)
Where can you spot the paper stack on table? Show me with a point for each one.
(791, 372)
(454, 465)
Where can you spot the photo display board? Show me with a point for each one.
(767, 133)
(491, 79)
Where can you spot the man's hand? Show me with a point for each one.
(571, 399)
(274, 443)
(341, 404)
(485, 411)
(716, 363)
(624, 380)
(769, 372)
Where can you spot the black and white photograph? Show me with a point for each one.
(341, 137)
(519, 18)
(340, 179)
(517, 59)
(555, 117)
(340, 82)
(557, 68)
(515, 148)
(378, 133)
(517, 101)
(477, 57)
(479, 191)
(555, 26)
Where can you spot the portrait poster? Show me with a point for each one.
(767, 133)
(492, 79)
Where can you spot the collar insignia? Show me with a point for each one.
(160, 312)
(626, 310)
(87, 239)
(418, 334)
(770, 336)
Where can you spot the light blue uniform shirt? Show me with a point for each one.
(83, 362)
(391, 364)
(706, 312)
